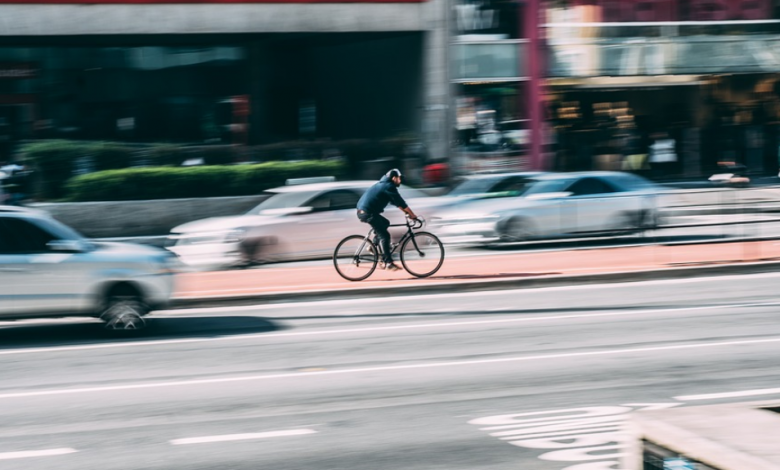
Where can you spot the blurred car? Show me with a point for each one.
(555, 205)
(49, 270)
(294, 222)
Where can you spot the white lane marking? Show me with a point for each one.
(380, 328)
(480, 294)
(432, 365)
(743, 393)
(36, 453)
(241, 437)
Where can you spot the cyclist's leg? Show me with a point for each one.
(380, 224)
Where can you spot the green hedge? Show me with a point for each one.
(56, 160)
(189, 182)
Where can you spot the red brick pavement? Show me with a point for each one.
(284, 279)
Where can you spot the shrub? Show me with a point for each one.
(192, 182)
(57, 160)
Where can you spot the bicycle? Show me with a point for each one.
(422, 253)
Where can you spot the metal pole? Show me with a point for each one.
(532, 23)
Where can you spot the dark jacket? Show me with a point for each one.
(378, 196)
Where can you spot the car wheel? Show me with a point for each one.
(516, 230)
(124, 312)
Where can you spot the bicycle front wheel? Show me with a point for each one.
(355, 258)
(422, 255)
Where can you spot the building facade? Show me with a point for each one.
(240, 72)
(699, 77)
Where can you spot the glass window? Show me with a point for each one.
(513, 186)
(341, 200)
(589, 186)
(281, 201)
(21, 236)
(335, 200)
(549, 186)
(481, 61)
(494, 18)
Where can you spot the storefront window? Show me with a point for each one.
(496, 19)
(488, 61)
(118, 93)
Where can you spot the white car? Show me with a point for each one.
(295, 222)
(555, 205)
(47, 270)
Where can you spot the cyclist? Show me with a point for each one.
(373, 203)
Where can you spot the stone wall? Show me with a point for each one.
(140, 218)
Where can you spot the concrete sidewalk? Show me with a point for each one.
(277, 283)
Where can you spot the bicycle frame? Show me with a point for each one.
(394, 246)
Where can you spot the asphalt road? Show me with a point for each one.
(418, 383)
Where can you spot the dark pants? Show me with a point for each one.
(379, 224)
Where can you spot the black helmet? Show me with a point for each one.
(393, 173)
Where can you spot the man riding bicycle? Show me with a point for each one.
(373, 203)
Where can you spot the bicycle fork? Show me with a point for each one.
(419, 252)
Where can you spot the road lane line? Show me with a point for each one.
(432, 365)
(743, 393)
(416, 326)
(36, 453)
(241, 437)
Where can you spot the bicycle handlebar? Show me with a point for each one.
(415, 223)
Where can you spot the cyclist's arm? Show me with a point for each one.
(409, 212)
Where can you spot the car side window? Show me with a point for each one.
(341, 200)
(23, 237)
(334, 200)
(590, 186)
(320, 203)
(5, 239)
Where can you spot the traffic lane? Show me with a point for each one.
(382, 332)
(297, 347)
(423, 417)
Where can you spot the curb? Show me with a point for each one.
(531, 282)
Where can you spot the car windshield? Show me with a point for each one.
(631, 182)
(549, 186)
(473, 186)
(496, 186)
(60, 230)
(281, 201)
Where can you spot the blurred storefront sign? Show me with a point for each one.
(679, 10)
(652, 56)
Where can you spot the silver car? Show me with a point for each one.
(295, 222)
(49, 270)
(555, 205)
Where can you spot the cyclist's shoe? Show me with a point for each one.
(391, 267)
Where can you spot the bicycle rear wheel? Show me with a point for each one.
(355, 258)
(422, 255)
